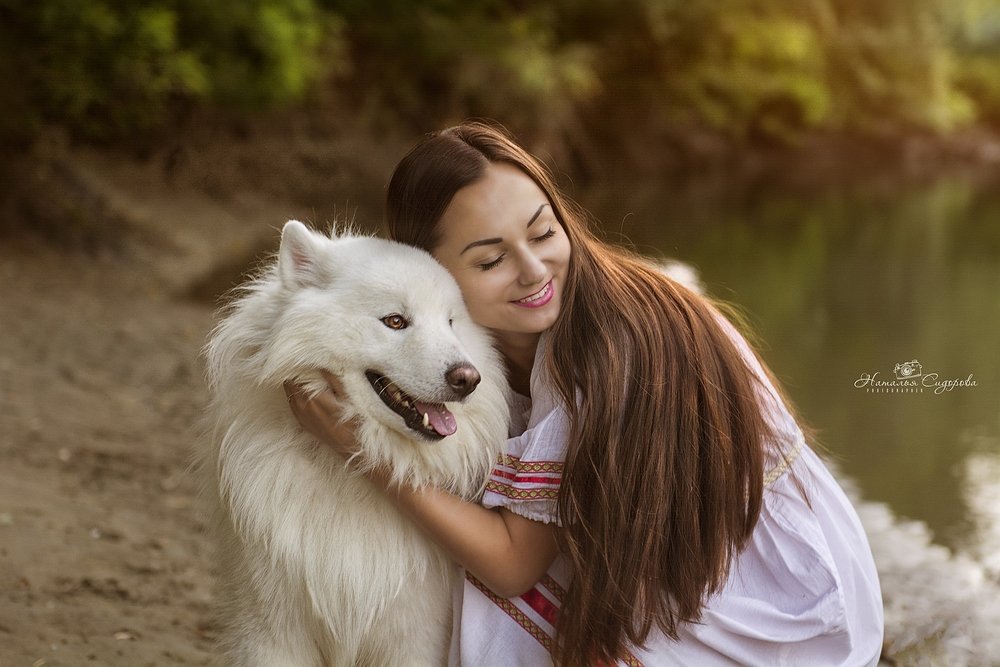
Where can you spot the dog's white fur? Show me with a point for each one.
(317, 567)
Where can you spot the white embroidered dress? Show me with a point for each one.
(804, 591)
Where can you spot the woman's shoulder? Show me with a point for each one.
(546, 422)
(546, 435)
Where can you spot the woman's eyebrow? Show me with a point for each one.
(492, 241)
(537, 213)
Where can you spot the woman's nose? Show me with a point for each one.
(532, 269)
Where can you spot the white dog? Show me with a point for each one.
(318, 567)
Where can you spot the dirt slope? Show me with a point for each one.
(103, 559)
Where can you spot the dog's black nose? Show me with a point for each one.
(463, 378)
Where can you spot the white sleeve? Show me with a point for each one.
(526, 479)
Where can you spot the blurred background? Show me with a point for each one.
(829, 165)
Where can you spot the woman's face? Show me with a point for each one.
(501, 241)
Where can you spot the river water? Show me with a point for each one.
(846, 280)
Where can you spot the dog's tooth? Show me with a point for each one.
(427, 420)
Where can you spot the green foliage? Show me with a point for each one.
(890, 66)
(977, 58)
(746, 69)
(978, 77)
(257, 53)
(761, 75)
(449, 59)
(110, 67)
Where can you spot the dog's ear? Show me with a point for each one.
(299, 263)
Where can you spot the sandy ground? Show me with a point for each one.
(103, 559)
(103, 555)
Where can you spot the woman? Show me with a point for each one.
(659, 505)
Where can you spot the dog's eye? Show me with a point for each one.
(395, 321)
(451, 322)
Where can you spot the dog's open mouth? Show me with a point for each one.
(432, 420)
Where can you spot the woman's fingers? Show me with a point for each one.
(291, 388)
(335, 385)
(321, 415)
(295, 394)
(323, 407)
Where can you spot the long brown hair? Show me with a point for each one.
(663, 479)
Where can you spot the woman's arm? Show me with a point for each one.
(505, 551)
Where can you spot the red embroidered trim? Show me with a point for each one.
(511, 461)
(543, 607)
(631, 660)
(503, 479)
(539, 466)
(522, 494)
(525, 479)
(516, 614)
(558, 592)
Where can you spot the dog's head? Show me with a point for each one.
(387, 319)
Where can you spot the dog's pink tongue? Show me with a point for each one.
(441, 420)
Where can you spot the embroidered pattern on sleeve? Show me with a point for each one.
(525, 480)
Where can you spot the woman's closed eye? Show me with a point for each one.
(490, 265)
(547, 235)
(496, 262)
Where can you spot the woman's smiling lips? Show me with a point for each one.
(538, 299)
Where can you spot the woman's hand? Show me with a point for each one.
(505, 551)
(322, 416)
